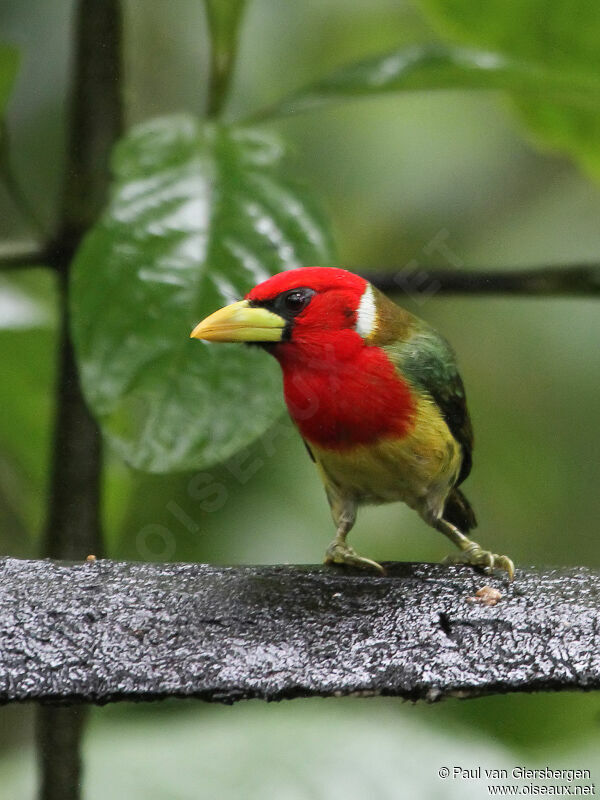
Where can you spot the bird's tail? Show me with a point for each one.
(458, 511)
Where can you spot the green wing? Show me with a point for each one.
(427, 360)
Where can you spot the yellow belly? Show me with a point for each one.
(419, 469)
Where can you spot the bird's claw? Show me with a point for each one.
(476, 556)
(341, 553)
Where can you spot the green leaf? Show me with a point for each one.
(439, 66)
(199, 215)
(9, 64)
(562, 36)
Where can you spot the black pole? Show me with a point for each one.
(73, 528)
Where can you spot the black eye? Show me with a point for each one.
(296, 301)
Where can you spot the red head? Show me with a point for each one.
(320, 308)
(300, 310)
(321, 324)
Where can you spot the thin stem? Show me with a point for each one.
(223, 22)
(577, 280)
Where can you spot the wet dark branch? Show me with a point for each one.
(561, 281)
(106, 631)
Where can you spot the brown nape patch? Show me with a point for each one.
(394, 323)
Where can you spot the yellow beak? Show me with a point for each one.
(240, 322)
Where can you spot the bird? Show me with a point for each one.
(375, 394)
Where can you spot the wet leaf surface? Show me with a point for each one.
(199, 215)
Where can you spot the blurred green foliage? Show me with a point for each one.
(322, 750)
(407, 179)
(560, 37)
(9, 62)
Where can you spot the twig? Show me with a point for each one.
(19, 255)
(572, 281)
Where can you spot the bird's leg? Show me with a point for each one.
(339, 551)
(472, 552)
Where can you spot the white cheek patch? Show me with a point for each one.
(366, 315)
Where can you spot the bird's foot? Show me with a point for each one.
(339, 552)
(475, 555)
